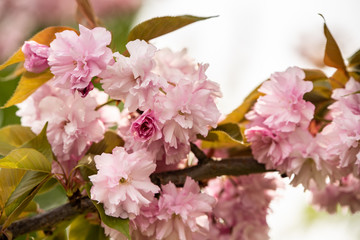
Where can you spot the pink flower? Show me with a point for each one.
(35, 56)
(122, 183)
(131, 78)
(146, 128)
(283, 107)
(242, 206)
(73, 123)
(75, 60)
(345, 192)
(341, 137)
(180, 210)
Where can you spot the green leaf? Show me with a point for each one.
(45, 37)
(28, 182)
(321, 91)
(41, 144)
(333, 56)
(14, 210)
(26, 159)
(82, 229)
(122, 225)
(314, 74)
(238, 114)
(9, 179)
(158, 26)
(224, 136)
(109, 142)
(28, 84)
(354, 61)
(14, 136)
(87, 166)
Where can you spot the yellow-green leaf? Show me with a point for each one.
(87, 166)
(224, 136)
(158, 26)
(333, 56)
(26, 159)
(41, 144)
(239, 113)
(314, 74)
(82, 229)
(28, 84)
(110, 141)
(16, 208)
(9, 179)
(122, 225)
(45, 37)
(14, 136)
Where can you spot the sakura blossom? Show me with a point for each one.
(242, 206)
(180, 211)
(279, 134)
(131, 79)
(35, 56)
(122, 182)
(73, 123)
(76, 59)
(341, 137)
(344, 192)
(283, 107)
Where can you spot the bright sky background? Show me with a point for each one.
(249, 40)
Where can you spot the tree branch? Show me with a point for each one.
(49, 219)
(208, 169)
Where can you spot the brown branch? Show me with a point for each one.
(209, 169)
(199, 154)
(49, 219)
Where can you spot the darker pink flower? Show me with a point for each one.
(146, 128)
(76, 59)
(36, 55)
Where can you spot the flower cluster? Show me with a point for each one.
(340, 139)
(279, 131)
(175, 97)
(345, 192)
(73, 123)
(242, 206)
(179, 213)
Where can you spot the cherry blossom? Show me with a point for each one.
(122, 183)
(76, 59)
(35, 56)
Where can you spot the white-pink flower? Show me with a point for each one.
(341, 137)
(283, 107)
(242, 206)
(180, 210)
(76, 59)
(122, 183)
(131, 78)
(36, 55)
(345, 192)
(73, 123)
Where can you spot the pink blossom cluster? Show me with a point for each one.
(175, 98)
(340, 139)
(178, 214)
(73, 123)
(122, 182)
(278, 129)
(242, 206)
(344, 192)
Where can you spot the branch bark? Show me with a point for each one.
(208, 169)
